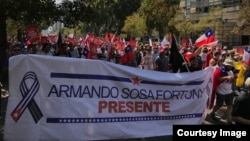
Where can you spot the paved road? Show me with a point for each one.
(208, 121)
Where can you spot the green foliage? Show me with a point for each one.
(71, 13)
(244, 11)
(124, 8)
(244, 17)
(31, 12)
(106, 15)
(135, 25)
(212, 21)
(22, 13)
(179, 22)
(157, 14)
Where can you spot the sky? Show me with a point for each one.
(58, 1)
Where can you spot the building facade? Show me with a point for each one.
(229, 32)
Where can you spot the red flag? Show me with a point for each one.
(92, 49)
(209, 56)
(183, 43)
(240, 50)
(188, 55)
(27, 43)
(132, 42)
(44, 39)
(97, 40)
(112, 40)
(120, 45)
(89, 37)
(110, 36)
(106, 37)
(217, 74)
(117, 38)
(31, 33)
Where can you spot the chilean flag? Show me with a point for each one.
(246, 56)
(205, 39)
(128, 56)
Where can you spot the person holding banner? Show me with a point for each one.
(46, 50)
(63, 51)
(32, 48)
(192, 66)
(15, 50)
(73, 50)
(161, 63)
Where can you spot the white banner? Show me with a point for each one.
(71, 99)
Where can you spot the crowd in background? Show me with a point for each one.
(158, 59)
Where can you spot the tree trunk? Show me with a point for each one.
(3, 38)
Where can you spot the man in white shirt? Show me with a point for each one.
(224, 92)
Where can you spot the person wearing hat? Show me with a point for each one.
(222, 89)
(231, 54)
(241, 110)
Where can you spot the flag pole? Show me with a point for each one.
(181, 54)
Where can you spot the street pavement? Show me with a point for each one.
(208, 121)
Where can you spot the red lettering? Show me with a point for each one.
(133, 106)
(165, 107)
(102, 105)
(122, 107)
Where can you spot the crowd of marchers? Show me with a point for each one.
(236, 97)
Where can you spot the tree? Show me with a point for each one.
(100, 14)
(108, 15)
(183, 26)
(71, 13)
(211, 21)
(244, 17)
(24, 12)
(124, 8)
(135, 25)
(158, 13)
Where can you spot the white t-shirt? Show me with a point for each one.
(226, 87)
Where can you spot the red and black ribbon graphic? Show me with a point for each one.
(28, 88)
